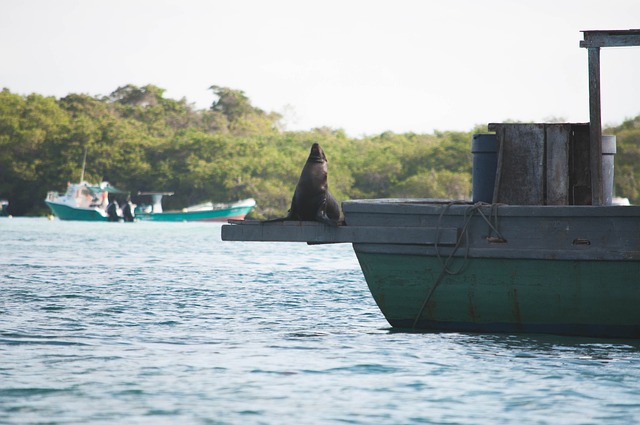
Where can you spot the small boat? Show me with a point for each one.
(4, 208)
(85, 202)
(88, 202)
(208, 211)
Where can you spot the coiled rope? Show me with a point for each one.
(464, 234)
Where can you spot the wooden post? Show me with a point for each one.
(595, 127)
(593, 41)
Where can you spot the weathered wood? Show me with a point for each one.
(521, 160)
(543, 164)
(611, 38)
(360, 212)
(558, 138)
(500, 160)
(558, 232)
(595, 131)
(312, 232)
(579, 166)
(593, 41)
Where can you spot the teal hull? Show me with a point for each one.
(570, 297)
(570, 270)
(64, 212)
(235, 213)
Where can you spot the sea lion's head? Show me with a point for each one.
(316, 154)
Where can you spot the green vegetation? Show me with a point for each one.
(140, 141)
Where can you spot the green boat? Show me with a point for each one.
(216, 212)
(84, 202)
(541, 247)
(4, 208)
(571, 270)
(462, 266)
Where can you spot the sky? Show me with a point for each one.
(363, 66)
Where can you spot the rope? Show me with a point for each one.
(468, 215)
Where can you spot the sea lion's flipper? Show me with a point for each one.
(322, 218)
(332, 208)
(321, 214)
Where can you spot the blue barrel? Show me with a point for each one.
(608, 152)
(484, 148)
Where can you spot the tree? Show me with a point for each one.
(131, 95)
(140, 141)
(243, 118)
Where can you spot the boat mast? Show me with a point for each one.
(84, 162)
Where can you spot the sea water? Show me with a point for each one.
(164, 323)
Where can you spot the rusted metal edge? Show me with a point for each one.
(317, 233)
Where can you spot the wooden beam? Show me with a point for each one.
(595, 127)
(611, 38)
(593, 41)
(315, 233)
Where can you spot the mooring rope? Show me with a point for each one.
(468, 215)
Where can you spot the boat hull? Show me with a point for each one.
(65, 212)
(569, 297)
(572, 270)
(445, 265)
(223, 215)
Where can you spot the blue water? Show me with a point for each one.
(163, 323)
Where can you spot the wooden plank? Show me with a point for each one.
(611, 38)
(547, 163)
(311, 232)
(498, 179)
(595, 131)
(579, 166)
(557, 179)
(520, 179)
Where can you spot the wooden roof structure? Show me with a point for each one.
(593, 41)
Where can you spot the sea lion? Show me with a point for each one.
(312, 200)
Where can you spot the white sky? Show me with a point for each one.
(365, 66)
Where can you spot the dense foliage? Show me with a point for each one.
(140, 141)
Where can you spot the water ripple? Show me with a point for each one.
(164, 323)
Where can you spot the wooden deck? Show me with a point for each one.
(317, 233)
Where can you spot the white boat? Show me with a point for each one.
(85, 202)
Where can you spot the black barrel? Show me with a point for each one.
(484, 148)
